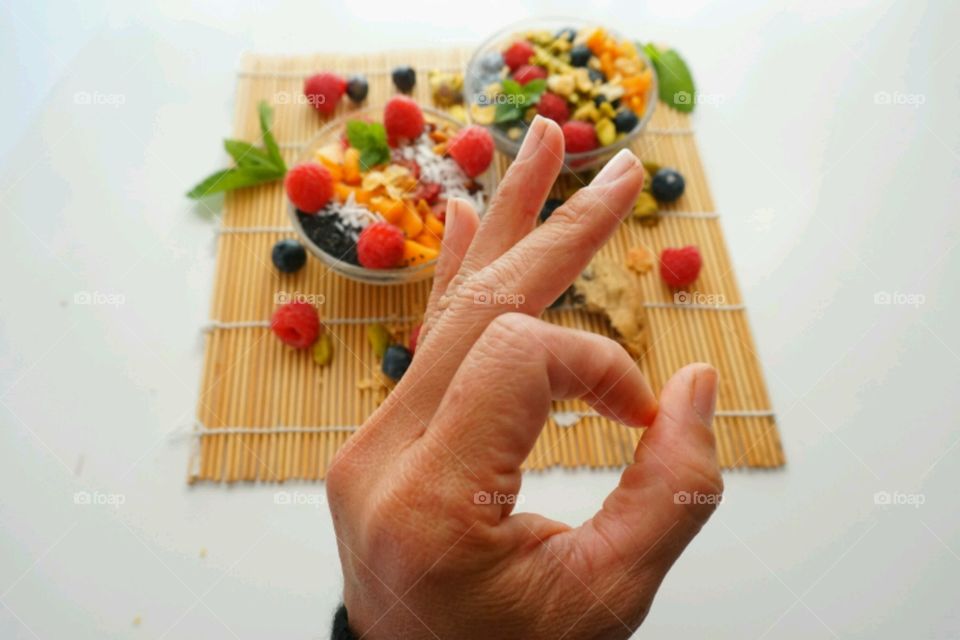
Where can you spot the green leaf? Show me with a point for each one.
(266, 121)
(534, 89)
(247, 155)
(505, 112)
(676, 83)
(511, 87)
(370, 138)
(229, 179)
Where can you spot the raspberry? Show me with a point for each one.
(529, 72)
(402, 118)
(518, 54)
(680, 267)
(554, 107)
(296, 324)
(309, 186)
(428, 191)
(472, 149)
(579, 136)
(380, 246)
(324, 91)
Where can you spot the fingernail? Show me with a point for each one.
(705, 393)
(532, 140)
(450, 218)
(616, 167)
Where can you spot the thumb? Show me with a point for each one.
(669, 492)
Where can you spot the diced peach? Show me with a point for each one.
(410, 221)
(390, 209)
(415, 253)
(336, 171)
(351, 166)
(428, 239)
(433, 224)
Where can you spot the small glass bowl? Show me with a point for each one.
(332, 132)
(475, 84)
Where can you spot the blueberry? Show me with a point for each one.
(625, 120)
(491, 63)
(599, 99)
(596, 76)
(567, 33)
(580, 55)
(404, 78)
(357, 88)
(667, 185)
(289, 256)
(549, 207)
(395, 361)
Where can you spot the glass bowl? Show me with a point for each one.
(332, 132)
(476, 79)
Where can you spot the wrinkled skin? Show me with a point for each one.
(424, 554)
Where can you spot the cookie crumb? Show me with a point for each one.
(640, 259)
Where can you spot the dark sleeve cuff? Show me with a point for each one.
(341, 626)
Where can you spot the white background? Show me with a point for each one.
(828, 198)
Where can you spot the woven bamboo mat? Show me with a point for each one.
(268, 413)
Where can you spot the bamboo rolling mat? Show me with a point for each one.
(268, 413)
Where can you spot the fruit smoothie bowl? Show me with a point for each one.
(598, 86)
(368, 195)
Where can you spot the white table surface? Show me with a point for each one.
(828, 197)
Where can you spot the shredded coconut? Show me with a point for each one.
(441, 170)
(352, 216)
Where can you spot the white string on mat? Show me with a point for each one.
(696, 307)
(248, 324)
(668, 131)
(569, 418)
(303, 75)
(694, 215)
(200, 430)
(563, 419)
(667, 305)
(223, 230)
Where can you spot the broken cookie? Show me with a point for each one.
(608, 287)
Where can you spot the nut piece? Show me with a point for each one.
(640, 259)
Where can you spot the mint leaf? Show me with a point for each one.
(505, 112)
(234, 178)
(247, 155)
(534, 89)
(516, 98)
(370, 138)
(266, 121)
(254, 165)
(676, 84)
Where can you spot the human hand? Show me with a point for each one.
(424, 554)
